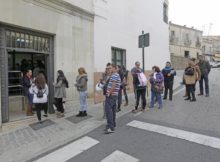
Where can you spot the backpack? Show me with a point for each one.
(189, 71)
(142, 79)
(40, 93)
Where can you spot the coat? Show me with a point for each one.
(34, 90)
(190, 79)
(60, 89)
(81, 82)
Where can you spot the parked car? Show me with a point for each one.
(214, 64)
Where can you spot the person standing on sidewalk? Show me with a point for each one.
(133, 73)
(27, 82)
(81, 85)
(60, 92)
(104, 81)
(140, 82)
(156, 81)
(205, 68)
(40, 92)
(168, 73)
(113, 88)
(190, 77)
(124, 84)
(119, 100)
(197, 70)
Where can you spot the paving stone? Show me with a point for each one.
(45, 123)
(76, 120)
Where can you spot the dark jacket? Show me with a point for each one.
(26, 82)
(166, 71)
(204, 67)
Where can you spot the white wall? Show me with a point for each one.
(118, 24)
(73, 34)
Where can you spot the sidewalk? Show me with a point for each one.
(23, 140)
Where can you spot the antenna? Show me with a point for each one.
(210, 27)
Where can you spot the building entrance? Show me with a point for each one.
(18, 63)
(21, 50)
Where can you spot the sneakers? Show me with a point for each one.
(60, 115)
(126, 104)
(134, 111)
(207, 95)
(108, 131)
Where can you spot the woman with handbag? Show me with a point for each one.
(40, 93)
(156, 81)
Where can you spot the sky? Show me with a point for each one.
(200, 14)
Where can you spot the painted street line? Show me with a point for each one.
(67, 152)
(176, 92)
(119, 156)
(177, 133)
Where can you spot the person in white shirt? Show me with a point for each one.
(40, 92)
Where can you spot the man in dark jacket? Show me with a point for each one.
(168, 73)
(205, 68)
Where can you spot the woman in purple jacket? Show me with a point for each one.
(157, 85)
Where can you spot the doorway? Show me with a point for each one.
(18, 63)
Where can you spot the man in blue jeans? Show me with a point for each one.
(205, 68)
(113, 88)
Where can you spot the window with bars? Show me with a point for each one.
(119, 56)
(36, 43)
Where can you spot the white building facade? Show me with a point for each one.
(70, 34)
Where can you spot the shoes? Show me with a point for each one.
(142, 109)
(164, 98)
(108, 131)
(84, 113)
(79, 114)
(200, 94)
(45, 115)
(60, 115)
(193, 100)
(207, 95)
(118, 110)
(126, 104)
(134, 111)
(187, 98)
(40, 122)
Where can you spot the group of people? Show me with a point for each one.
(36, 92)
(196, 72)
(114, 83)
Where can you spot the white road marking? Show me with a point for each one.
(176, 92)
(177, 133)
(119, 156)
(67, 152)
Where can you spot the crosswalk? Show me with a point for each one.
(85, 143)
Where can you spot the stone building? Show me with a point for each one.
(68, 34)
(185, 43)
(211, 48)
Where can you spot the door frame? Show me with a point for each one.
(4, 65)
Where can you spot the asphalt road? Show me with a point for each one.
(182, 131)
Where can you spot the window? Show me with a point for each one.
(186, 54)
(26, 40)
(118, 56)
(165, 13)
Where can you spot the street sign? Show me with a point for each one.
(144, 40)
